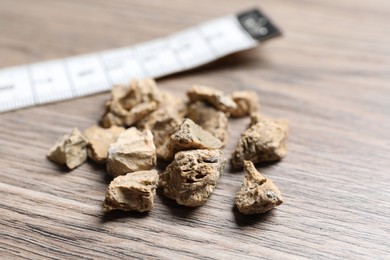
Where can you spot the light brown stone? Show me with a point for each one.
(162, 123)
(133, 191)
(212, 97)
(189, 136)
(133, 151)
(70, 150)
(210, 119)
(258, 194)
(263, 141)
(130, 103)
(191, 178)
(171, 101)
(192, 136)
(99, 140)
(247, 103)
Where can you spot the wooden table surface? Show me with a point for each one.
(329, 75)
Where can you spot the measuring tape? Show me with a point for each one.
(50, 81)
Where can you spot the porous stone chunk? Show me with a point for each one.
(263, 141)
(133, 151)
(162, 123)
(213, 97)
(191, 178)
(99, 141)
(258, 194)
(133, 191)
(247, 103)
(130, 103)
(70, 150)
(210, 119)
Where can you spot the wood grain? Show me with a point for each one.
(329, 75)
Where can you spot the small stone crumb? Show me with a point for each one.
(133, 191)
(99, 141)
(70, 150)
(133, 151)
(247, 103)
(258, 194)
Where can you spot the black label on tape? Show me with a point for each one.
(258, 25)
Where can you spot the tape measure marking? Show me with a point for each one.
(82, 75)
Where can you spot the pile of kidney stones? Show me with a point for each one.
(142, 124)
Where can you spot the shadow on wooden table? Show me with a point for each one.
(118, 214)
(259, 166)
(174, 208)
(101, 169)
(248, 220)
(61, 168)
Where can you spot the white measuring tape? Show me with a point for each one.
(78, 76)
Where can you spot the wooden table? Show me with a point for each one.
(329, 75)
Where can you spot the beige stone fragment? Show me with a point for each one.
(133, 191)
(139, 111)
(162, 123)
(130, 103)
(263, 141)
(70, 150)
(210, 119)
(170, 101)
(141, 91)
(258, 194)
(189, 136)
(191, 178)
(133, 151)
(213, 97)
(247, 103)
(99, 140)
(192, 136)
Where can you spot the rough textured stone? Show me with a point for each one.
(130, 103)
(70, 150)
(173, 102)
(189, 136)
(192, 136)
(133, 191)
(210, 119)
(191, 178)
(247, 103)
(162, 123)
(133, 151)
(255, 118)
(213, 97)
(99, 140)
(263, 141)
(258, 194)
